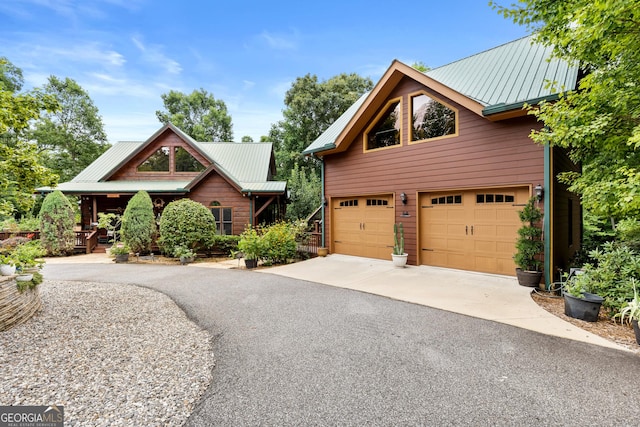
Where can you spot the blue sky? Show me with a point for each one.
(126, 53)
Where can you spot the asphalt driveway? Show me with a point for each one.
(293, 352)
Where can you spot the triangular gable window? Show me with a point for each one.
(385, 130)
(157, 162)
(185, 162)
(431, 118)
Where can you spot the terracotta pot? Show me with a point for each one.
(323, 252)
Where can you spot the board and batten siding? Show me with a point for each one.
(484, 154)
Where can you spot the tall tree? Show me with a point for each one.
(20, 168)
(198, 114)
(311, 107)
(600, 122)
(72, 137)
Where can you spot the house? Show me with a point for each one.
(233, 180)
(448, 154)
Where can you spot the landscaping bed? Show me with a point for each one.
(604, 327)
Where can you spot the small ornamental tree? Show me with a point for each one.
(56, 224)
(138, 223)
(529, 244)
(187, 224)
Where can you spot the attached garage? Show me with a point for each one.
(448, 154)
(472, 229)
(363, 226)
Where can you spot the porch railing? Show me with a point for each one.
(85, 241)
(309, 244)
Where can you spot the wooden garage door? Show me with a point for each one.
(363, 226)
(471, 230)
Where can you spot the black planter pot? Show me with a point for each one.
(528, 278)
(586, 308)
(251, 263)
(636, 329)
(122, 258)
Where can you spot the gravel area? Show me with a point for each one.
(111, 354)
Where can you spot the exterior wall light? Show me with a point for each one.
(539, 191)
(403, 198)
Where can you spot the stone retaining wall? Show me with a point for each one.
(16, 307)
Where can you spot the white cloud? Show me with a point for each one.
(153, 55)
(280, 42)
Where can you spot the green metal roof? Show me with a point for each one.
(510, 74)
(248, 165)
(500, 79)
(327, 140)
(132, 187)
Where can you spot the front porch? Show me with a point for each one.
(86, 242)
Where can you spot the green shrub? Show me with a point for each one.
(279, 242)
(611, 276)
(138, 223)
(529, 244)
(56, 224)
(226, 244)
(186, 223)
(250, 243)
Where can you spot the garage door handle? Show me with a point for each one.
(466, 229)
(472, 230)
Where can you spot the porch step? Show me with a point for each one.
(100, 249)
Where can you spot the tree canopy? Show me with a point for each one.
(20, 167)
(198, 114)
(72, 137)
(600, 122)
(311, 107)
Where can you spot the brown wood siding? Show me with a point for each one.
(484, 154)
(216, 188)
(129, 171)
(565, 246)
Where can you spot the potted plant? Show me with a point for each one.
(529, 245)
(120, 251)
(185, 254)
(579, 302)
(7, 265)
(632, 312)
(399, 256)
(27, 257)
(250, 244)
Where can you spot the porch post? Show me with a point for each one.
(322, 200)
(547, 225)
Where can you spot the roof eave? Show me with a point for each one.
(503, 111)
(326, 147)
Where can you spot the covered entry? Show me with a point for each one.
(471, 229)
(363, 226)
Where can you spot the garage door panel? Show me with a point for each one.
(363, 226)
(457, 245)
(478, 232)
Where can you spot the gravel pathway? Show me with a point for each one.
(111, 354)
